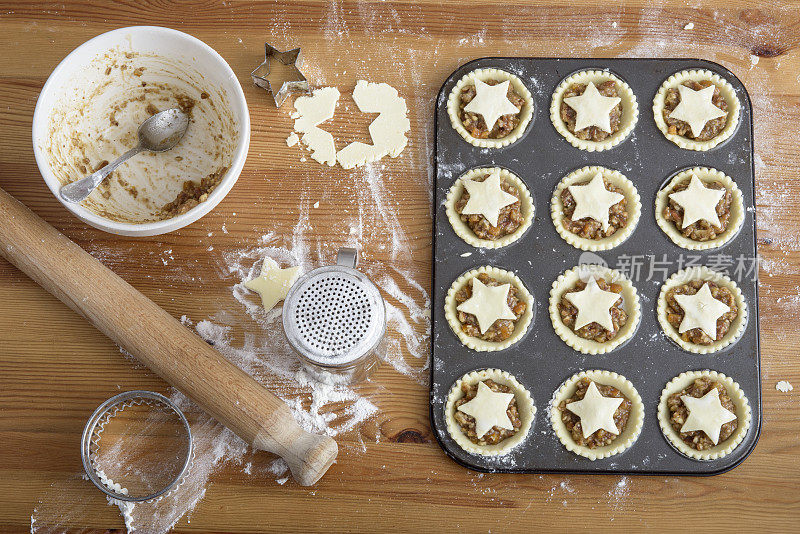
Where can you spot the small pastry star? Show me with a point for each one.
(491, 102)
(487, 304)
(707, 414)
(594, 305)
(273, 283)
(489, 409)
(698, 202)
(592, 108)
(487, 198)
(596, 411)
(593, 200)
(701, 310)
(696, 108)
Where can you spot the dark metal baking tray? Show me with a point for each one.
(541, 361)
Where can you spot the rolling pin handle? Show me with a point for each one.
(310, 455)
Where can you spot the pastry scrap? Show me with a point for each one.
(594, 110)
(489, 207)
(701, 310)
(696, 109)
(488, 412)
(388, 130)
(273, 283)
(595, 208)
(490, 108)
(703, 414)
(700, 208)
(488, 308)
(594, 309)
(597, 414)
(310, 112)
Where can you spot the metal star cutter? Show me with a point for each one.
(291, 79)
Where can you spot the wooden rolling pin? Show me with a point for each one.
(159, 341)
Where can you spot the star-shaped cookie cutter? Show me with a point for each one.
(296, 83)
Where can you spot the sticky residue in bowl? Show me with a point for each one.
(97, 118)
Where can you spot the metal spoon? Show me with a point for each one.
(160, 132)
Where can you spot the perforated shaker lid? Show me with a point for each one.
(334, 315)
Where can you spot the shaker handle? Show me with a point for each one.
(347, 257)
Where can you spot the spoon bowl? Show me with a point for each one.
(163, 130)
(160, 132)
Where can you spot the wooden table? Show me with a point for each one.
(55, 368)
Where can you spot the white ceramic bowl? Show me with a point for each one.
(70, 80)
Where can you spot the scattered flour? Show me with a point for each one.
(260, 349)
(278, 467)
(257, 345)
(619, 493)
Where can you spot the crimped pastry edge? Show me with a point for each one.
(617, 178)
(630, 110)
(726, 90)
(632, 428)
(743, 414)
(525, 407)
(463, 230)
(484, 74)
(478, 344)
(697, 273)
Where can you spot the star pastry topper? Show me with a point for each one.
(592, 108)
(487, 198)
(487, 304)
(273, 283)
(280, 82)
(707, 414)
(698, 202)
(593, 200)
(696, 108)
(491, 102)
(701, 310)
(596, 411)
(594, 305)
(489, 409)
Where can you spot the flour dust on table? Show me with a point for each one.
(332, 409)
(408, 304)
(258, 346)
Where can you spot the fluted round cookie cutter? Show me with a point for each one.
(94, 428)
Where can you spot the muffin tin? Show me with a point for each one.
(541, 361)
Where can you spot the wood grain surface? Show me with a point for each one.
(391, 475)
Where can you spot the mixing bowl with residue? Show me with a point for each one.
(90, 109)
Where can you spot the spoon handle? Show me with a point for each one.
(79, 190)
